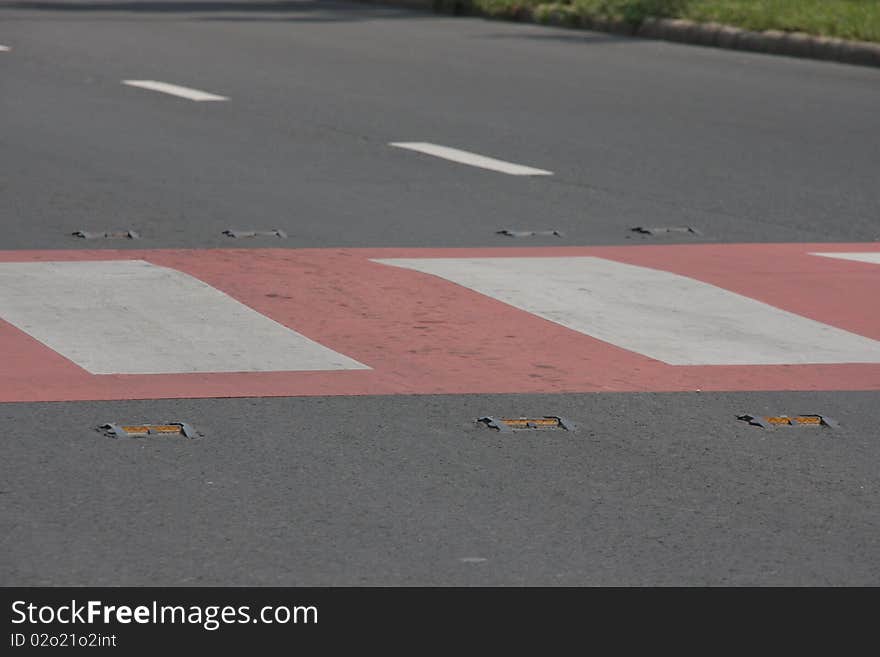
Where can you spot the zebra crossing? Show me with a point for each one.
(102, 325)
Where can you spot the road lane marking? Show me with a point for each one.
(5, 48)
(668, 317)
(174, 90)
(133, 317)
(472, 159)
(872, 257)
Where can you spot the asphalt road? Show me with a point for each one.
(653, 488)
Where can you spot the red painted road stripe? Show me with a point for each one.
(423, 335)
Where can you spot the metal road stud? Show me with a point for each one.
(144, 430)
(108, 235)
(547, 422)
(274, 232)
(770, 421)
(529, 233)
(661, 230)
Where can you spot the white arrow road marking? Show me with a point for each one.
(873, 257)
(133, 317)
(174, 90)
(474, 160)
(668, 317)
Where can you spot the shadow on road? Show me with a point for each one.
(151, 6)
(329, 11)
(557, 35)
(300, 11)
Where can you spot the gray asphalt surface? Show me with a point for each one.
(399, 490)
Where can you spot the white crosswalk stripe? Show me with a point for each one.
(668, 317)
(133, 317)
(873, 257)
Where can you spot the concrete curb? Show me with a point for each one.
(774, 42)
(795, 44)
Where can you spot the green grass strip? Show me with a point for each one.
(847, 19)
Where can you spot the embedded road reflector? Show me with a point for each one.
(663, 230)
(237, 234)
(107, 235)
(528, 233)
(767, 422)
(148, 430)
(545, 423)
